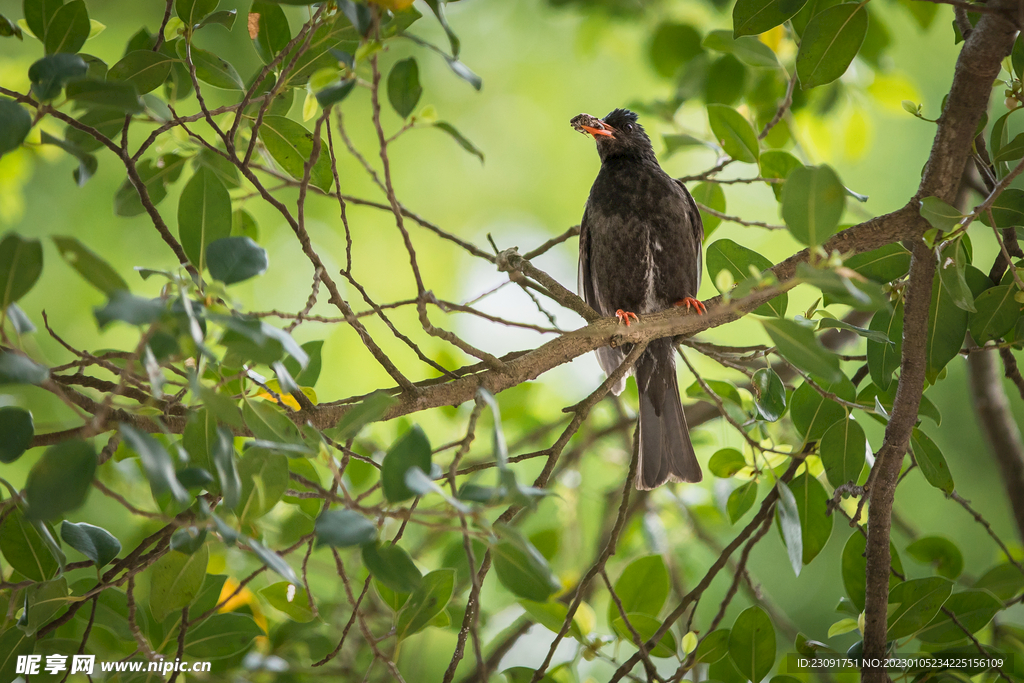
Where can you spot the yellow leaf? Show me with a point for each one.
(309, 107)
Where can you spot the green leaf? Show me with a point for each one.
(191, 12)
(724, 254)
(521, 568)
(42, 601)
(204, 214)
(235, 259)
(244, 225)
(17, 369)
(712, 196)
(646, 626)
(884, 359)
(752, 643)
(842, 450)
(1004, 581)
(15, 123)
(726, 462)
(952, 261)
(69, 29)
(156, 463)
(225, 17)
(673, 45)
(815, 522)
(1011, 151)
(916, 601)
(740, 500)
(997, 313)
(60, 480)
(854, 565)
(291, 599)
(813, 201)
(21, 263)
(335, 93)
(929, 459)
(308, 376)
(1007, 209)
(734, 133)
(175, 580)
(258, 341)
(96, 543)
(188, 540)
(551, 615)
(392, 566)
(87, 162)
(109, 94)
(642, 588)
(222, 455)
(145, 69)
(344, 528)
(799, 346)
(884, 264)
(18, 429)
(813, 414)
(942, 553)
(713, 647)
(425, 603)
(460, 138)
(404, 88)
(16, 644)
(126, 307)
(775, 163)
(24, 548)
(19, 321)
(221, 636)
(751, 17)
(50, 74)
(790, 524)
(841, 627)
(769, 394)
(437, 7)
(264, 476)
(272, 32)
(828, 323)
(291, 145)
(411, 450)
(947, 325)
(273, 561)
(210, 68)
(750, 51)
(94, 269)
(830, 42)
(972, 608)
(940, 215)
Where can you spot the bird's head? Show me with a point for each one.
(617, 134)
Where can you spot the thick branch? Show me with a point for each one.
(890, 456)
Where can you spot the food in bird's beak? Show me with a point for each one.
(587, 124)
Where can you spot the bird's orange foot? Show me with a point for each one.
(624, 316)
(689, 302)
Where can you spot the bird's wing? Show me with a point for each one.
(607, 357)
(585, 282)
(696, 226)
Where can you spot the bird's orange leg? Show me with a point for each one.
(689, 302)
(624, 316)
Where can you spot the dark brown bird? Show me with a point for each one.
(640, 252)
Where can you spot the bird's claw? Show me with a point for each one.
(624, 316)
(690, 303)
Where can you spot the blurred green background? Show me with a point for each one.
(540, 65)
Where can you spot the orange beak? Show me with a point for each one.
(599, 131)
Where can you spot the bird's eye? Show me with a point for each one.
(629, 127)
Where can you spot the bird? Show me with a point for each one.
(640, 252)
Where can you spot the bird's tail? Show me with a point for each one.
(666, 453)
